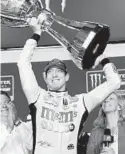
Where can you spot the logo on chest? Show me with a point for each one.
(55, 101)
(62, 117)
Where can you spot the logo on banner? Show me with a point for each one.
(7, 85)
(95, 78)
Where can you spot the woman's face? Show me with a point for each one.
(110, 104)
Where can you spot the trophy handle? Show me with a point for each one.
(63, 21)
(69, 23)
(68, 46)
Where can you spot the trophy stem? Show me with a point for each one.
(58, 37)
(68, 46)
(68, 23)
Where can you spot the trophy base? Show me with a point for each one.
(88, 44)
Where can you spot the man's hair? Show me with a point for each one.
(56, 63)
(5, 93)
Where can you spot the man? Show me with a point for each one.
(59, 116)
(15, 135)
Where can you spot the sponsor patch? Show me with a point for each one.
(70, 147)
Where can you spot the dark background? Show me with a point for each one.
(110, 12)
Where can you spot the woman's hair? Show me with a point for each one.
(101, 119)
(121, 103)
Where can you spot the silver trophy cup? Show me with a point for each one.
(87, 45)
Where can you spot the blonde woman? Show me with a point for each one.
(111, 116)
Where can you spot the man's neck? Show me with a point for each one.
(57, 91)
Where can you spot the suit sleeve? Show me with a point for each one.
(27, 77)
(100, 93)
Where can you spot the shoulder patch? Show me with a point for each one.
(73, 99)
(114, 68)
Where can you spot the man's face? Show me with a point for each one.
(7, 111)
(56, 79)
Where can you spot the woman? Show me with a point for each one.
(111, 116)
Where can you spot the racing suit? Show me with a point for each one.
(59, 115)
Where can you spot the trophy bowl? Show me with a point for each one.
(87, 45)
(90, 41)
(14, 13)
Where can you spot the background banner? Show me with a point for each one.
(7, 84)
(95, 78)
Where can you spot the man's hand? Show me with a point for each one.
(98, 60)
(35, 23)
(107, 150)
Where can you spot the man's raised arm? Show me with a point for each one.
(27, 77)
(100, 93)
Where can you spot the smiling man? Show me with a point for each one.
(59, 116)
(56, 75)
(15, 135)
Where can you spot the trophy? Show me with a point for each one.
(89, 42)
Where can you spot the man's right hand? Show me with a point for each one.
(107, 150)
(35, 24)
(98, 60)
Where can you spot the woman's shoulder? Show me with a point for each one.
(121, 137)
(121, 128)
